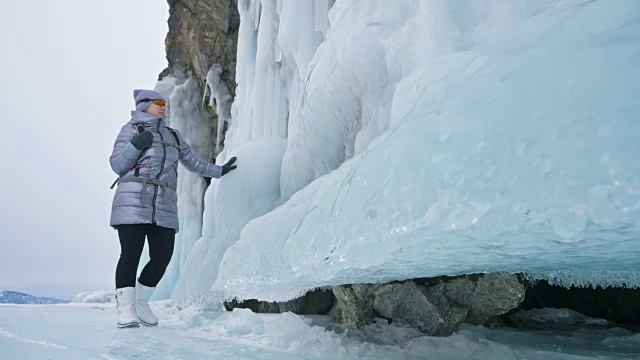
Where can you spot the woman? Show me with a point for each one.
(145, 156)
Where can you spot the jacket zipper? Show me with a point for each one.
(155, 192)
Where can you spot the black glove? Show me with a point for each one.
(141, 141)
(228, 166)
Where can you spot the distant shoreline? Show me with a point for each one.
(21, 298)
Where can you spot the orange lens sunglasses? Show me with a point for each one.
(158, 102)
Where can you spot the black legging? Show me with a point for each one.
(132, 238)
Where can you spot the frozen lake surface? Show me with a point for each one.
(87, 331)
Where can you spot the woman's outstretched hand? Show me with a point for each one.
(228, 166)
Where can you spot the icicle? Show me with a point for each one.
(220, 98)
(278, 53)
(321, 15)
(252, 8)
(204, 93)
(256, 8)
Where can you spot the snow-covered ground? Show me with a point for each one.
(87, 331)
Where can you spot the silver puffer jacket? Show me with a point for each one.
(146, 191)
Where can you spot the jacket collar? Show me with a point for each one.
(138, 117)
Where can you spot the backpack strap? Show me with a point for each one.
(141, 129)
(175, 135)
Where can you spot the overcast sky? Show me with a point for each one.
(68, 71)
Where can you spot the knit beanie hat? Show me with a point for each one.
(139, 95)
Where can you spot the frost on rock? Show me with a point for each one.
(220, 98)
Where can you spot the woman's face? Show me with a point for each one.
(156, 110)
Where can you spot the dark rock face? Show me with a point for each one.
(436, 309)
(619, 305)
(427, 309)
(203, 33)
(435, 306)
(354, 304)
(555, 319)
(314, 302)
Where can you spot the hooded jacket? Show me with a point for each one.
(146, 192)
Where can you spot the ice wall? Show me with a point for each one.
(186, 115)
(276, 41)
(370, 47)
(231, 203)
(480, 136)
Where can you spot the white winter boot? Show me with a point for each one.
(145, 315)
(125, 298)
